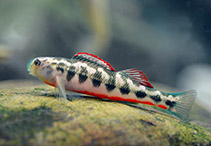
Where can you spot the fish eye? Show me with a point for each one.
(37, 62)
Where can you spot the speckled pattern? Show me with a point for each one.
(88, 74)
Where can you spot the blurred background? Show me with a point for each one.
(168, 40)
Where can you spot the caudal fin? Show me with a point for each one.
(184, 104)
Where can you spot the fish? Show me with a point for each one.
(89, 74)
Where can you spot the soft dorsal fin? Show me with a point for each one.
(82, 55)
(139, 76)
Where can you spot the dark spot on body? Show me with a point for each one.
(156, 98)
(140, 94)
(170, 103)
(96, 79)
(70, 75)
(83, 75)
(125, 89)
(110, 87)
(82, 78)
(53, 63)
(96, 83)
(60, 69)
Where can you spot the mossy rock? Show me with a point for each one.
(34, 116)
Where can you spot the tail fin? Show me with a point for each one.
(184, 104)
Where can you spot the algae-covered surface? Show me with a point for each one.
(34, 116)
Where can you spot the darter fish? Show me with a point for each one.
(88, 74)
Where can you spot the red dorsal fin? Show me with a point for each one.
(139, 76)
(82, 55)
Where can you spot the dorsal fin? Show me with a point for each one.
(139, 76)
(82, 55)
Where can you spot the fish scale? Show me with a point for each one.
(88, 74)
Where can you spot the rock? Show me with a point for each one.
(34, 116)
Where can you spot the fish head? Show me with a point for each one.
(41, 68)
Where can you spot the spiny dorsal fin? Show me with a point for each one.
(139, 76)
(82, 55)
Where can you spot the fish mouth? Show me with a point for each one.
(29, 66)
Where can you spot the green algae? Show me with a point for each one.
(40, 89)
(34, 116)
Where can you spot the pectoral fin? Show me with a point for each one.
(61, 86)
